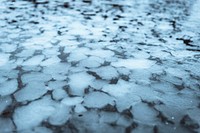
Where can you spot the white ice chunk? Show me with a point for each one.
(31, 91)
(4, 102)
(8, 47)
(107, 72)
(102, 53)
(79, 82)
(6, 125)
(98, 84)
(35, 76)
(91, 62)
(33, 114)
(119, 89)
(143, 113)
(76, 57)
(8, 87)
(61, 115)
(56, 85)
(35, 60)
(59, 94)
(70, 101)
(50, 61)
(26, 53)
(54, 70)
(3, 79)
(80, 108)
(97, 100)
(4, 59)
(126, 101)
(108, 117)
(133, 63)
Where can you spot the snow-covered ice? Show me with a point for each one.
(31, 91)
(79, 82)
(8, 87)
(133, 63)
(101, 100)
(99, 66)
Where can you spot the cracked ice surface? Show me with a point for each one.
(99, 66)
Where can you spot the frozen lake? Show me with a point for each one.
(100, 66)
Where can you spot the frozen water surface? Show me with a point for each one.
(99, 66)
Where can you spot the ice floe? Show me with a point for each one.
(70, 101)
(133, 63)
(97, 100)
(78, 82)
(33, 114)
(8, 87)
(33, 90)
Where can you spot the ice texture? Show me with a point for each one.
(133, 63)
(97, 100)
(32, 115)
(78, 82)
(31, 91)
(8, 87)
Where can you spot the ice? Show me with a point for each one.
(143, 113)
(3, 79)
(78, 54)
(80, 108)
(140, 76)
(8, 47)
(107, 72)
(8, 87)
(31, 91)
(4, 59)
(6, 125)
(126, 101)
(78, 82)
(108, 117)
(117, 90)
(59, 94)
(97, 100)
(56, 85)
(183, 100)
(98, 84)
(9, 74)
(25, 53)
(35, 60)
(77, 26)
(50, 52)
(4, 102)
(91, 62)
(123, 121)
(76, 57)
(133, 63)
(50, 61)
(94, 66)
(61, 115)
(33, 114)
(35, 76)
(70, 101)
(38, 129)
(101, 53)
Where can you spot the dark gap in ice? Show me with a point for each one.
(131, 127)
(187, 122)
(110, 108)
(186, 41)
(127, 113)
(163, 118)
(94, 74)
